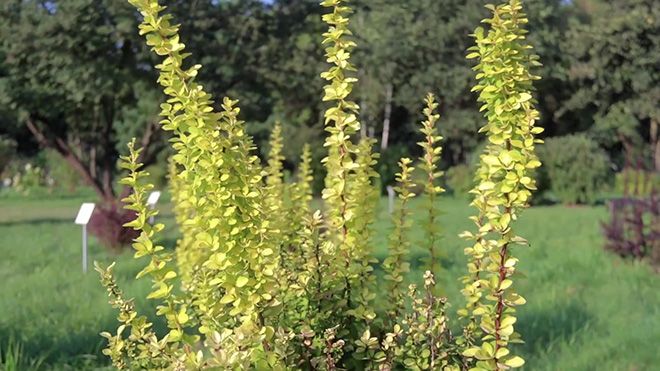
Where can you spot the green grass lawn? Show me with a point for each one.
(587, 309)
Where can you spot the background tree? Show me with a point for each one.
(72, 71)
(613, 73)
(424, 42)
(74, 76)
(267, 55)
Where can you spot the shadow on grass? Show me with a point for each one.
(418, 261)
(53, 351)
(79, 349)
(35, 221)
(544, 329)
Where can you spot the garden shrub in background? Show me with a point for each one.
(388, 164)
(7, 152)
(106, 224)
(158, 174)
(460, 180)
(29, 179)
(575, 167)
(60, 172)
(266, 282)
(45, 173)
(634, 228)
(638, 182)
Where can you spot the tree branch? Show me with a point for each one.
(109, 155)
(149, 138)
(47, 139)
(148, 154)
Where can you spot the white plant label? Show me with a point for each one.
(153, 198)
(85, 213)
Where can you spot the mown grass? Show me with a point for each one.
(587, 309)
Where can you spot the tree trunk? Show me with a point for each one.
(63, 148)
(363, 120)
(107, 163)
(388, 115)
(92, 161)
(107, 222)
(655, 143)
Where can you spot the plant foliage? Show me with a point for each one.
(576, 168)
(633, 229)
(267, 282)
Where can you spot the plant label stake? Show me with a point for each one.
(84, 214)
(151, 202)
(390, 198)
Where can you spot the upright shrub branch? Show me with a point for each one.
(342, 123)
(429, 164)
(505, 179)
(397, 264)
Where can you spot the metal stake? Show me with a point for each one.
(84, 248)
(151, 218)
(390, 197)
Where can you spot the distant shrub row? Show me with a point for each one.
(575, 171)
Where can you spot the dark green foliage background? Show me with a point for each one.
(574, 168)
(68, 60)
